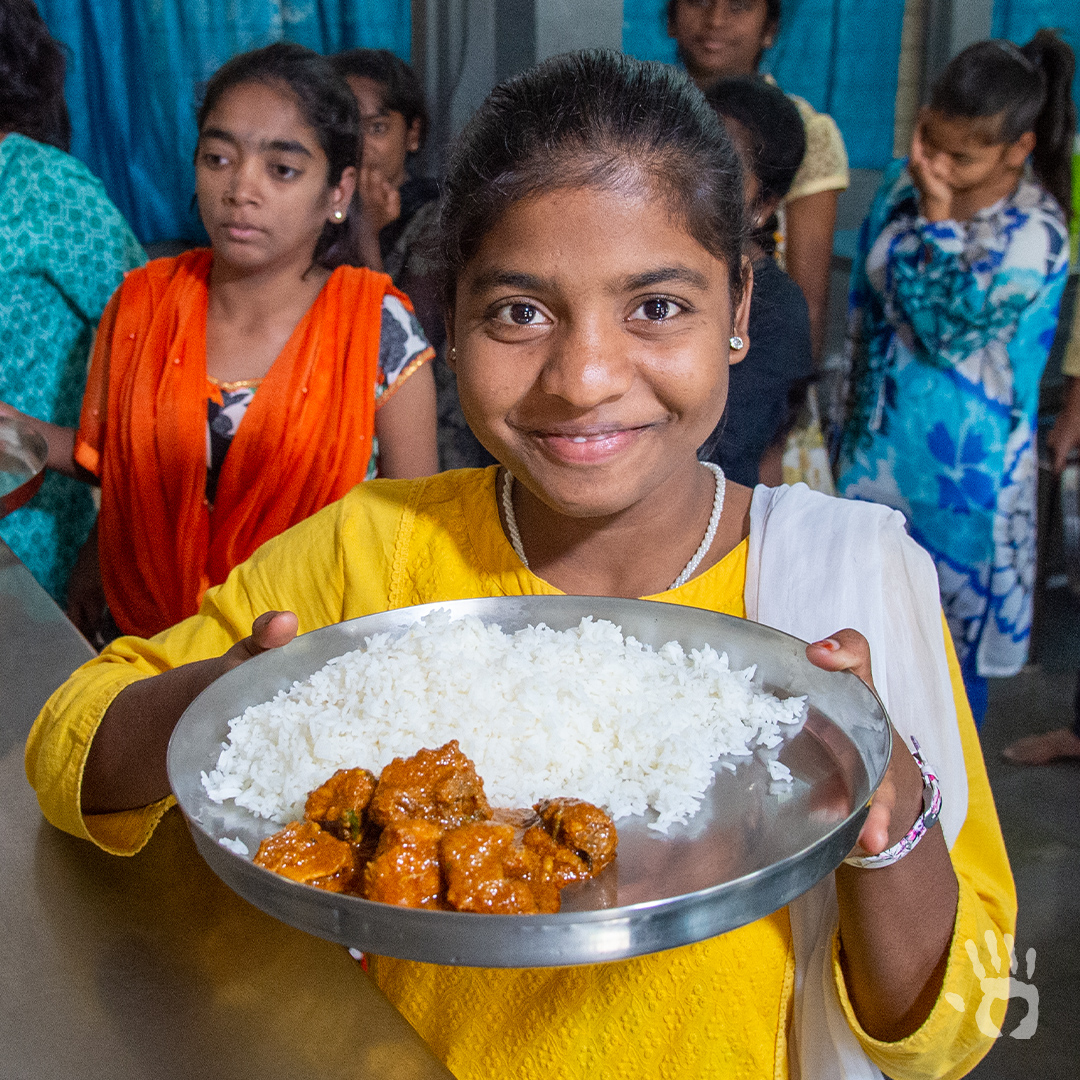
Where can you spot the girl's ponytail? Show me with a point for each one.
(1056, 122)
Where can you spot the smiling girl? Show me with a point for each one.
(236, 390)
(955, 293)
(592, 299)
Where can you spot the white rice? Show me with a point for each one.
(584, 713)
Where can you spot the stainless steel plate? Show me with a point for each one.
(23, 453)
(752, 847)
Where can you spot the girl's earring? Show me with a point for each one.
(453, 354)
(736, 342)
(338, 215)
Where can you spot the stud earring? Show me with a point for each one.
(338, 215)
(736, 342)
(453, 355)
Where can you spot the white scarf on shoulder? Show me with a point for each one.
(816, 565)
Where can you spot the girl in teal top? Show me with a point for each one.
(64, 249)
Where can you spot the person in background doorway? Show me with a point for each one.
(955, 295)
(64, 248)
(719, 39)
(236, 390)
(767, 386)
(399, 219)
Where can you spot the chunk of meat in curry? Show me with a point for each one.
(339, 804)
(485, 872)
(405, 868)
(304, 852)
(435, 785)
(582, 827)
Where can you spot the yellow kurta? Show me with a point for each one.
(718, 1008)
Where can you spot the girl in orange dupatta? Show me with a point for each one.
(325, 364)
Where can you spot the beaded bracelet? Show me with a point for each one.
(923, 823)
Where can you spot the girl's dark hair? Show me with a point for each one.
(1030, 88)
(31, 76)
(594, 119)
(328, 107)
(773, 123)
(401, 89)
(772, 21)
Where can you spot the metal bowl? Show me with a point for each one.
(23, 453)
(752, 847)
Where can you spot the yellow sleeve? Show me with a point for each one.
(824, 165)
(301, 570)
(950, 1041)
(1071, 364)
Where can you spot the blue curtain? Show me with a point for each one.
(135, 66)
(1018, 20)
(841, 55)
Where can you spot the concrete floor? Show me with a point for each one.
(1040, 817)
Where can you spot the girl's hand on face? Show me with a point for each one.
(380, 199)
(898, 800)
(935, 195)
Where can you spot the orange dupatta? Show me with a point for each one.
(304, 441)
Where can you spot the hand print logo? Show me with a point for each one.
(1000, 988)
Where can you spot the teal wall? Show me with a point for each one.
(135, 66)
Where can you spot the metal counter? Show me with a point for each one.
(149, 968)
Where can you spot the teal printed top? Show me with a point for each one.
(64, 249)
(950, 327)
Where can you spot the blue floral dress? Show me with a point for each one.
(951, 324)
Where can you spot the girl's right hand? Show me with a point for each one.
(125, 766)
(935, 195)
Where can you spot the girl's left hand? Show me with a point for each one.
(380, 199)
(897, 802)
(936, 196)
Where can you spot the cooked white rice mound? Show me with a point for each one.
(584, 713)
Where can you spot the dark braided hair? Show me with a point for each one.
(31, 77)
(594, 119)
(327, 105)
(1029, 89)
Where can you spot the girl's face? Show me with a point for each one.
(388, 139)
(721, 38)
(592, 333)
(261, 179)
(958, 152)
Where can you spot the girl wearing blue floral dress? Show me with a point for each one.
(954, 303)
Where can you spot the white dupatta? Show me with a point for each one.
(818, 564)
